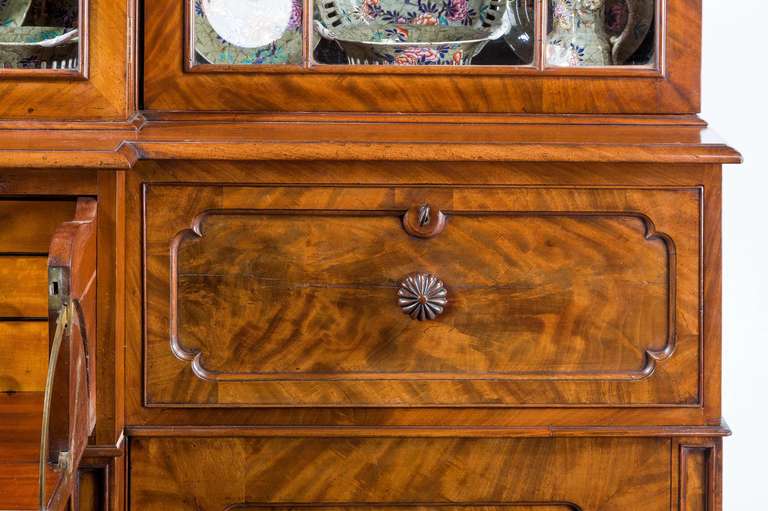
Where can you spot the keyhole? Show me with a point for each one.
(424, 217)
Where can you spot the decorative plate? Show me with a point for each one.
(381, 43)
(411, 12)
(412, 32)
(13, 12)
(38, 47)
(248, 31)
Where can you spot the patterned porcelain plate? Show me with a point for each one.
(412, 12)
(411, 32)
(46, 37)
(13, 12)
(248, 31)
(38, 47)
(384, 43)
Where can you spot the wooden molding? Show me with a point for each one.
(400, 506)
(383, 137)
(429, 431)
(196, 357)
(699, 487)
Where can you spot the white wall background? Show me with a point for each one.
(735, 102)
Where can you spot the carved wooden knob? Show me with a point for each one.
(424, 221)
(422, 296)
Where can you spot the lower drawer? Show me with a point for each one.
(421, 474)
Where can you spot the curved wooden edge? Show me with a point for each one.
(72, 287)
(376, 137)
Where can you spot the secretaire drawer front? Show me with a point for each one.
(401, 474)
(421, 296)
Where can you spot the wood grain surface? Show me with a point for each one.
(466, 474)
(27, 227)
(108, 91)
(671, 88)
(24, 280)
(285, 296)
(23, 355)
(342, 251)
(29, 224)
(344, 137)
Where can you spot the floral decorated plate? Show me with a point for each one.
(412, 12)
(36, 47)
(412, 32)
(13, 12)
(382, 43)
(47, 37)
(248, 31)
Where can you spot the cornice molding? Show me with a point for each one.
(377, 137)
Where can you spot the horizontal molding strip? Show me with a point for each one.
(429, 431)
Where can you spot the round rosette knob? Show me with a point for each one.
(422, 296)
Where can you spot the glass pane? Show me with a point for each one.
(424, 32)
(39, 34)
(246, 32)
(600, 33)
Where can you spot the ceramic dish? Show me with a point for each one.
(626, 39)
(13, 12)
(249, 31)
(38, 47)
(581, 33)
(381, 43)
(407, 32)
(412, 12)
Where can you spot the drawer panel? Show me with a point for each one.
(407, 474)
(272, 296)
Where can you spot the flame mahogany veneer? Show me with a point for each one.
(250, 351)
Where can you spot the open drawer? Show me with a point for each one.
(45, 428)
(421, 296)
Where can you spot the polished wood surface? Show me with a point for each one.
(108, 91)
(233, 473)
(28, 277)
(23, 355)
(27, 227)
(19, 451)
(72, 270)
(672, 88)
(529, 271)
(245, 346)
(71, 417)
(416, 173)
(290, 187)
(328, 137)
(29, 224)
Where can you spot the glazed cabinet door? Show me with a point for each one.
(458, 56)
(66, 59)
(421, 296)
